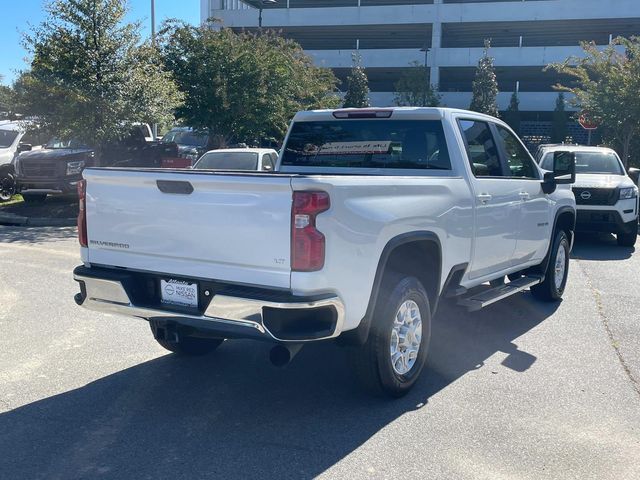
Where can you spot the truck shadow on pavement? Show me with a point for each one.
(232, 415)
(599, 246)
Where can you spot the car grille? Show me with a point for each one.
(596, 196)
(38, 168)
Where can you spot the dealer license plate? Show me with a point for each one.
(179, 292)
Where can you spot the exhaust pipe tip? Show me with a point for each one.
(281, 355)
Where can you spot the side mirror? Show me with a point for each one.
(564, 171)
(24, 147)
(634, 173)
(267, 168)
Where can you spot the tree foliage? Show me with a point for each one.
(414, 90)
(242, 87)
(485, 85)
(559, 129)
(91, 76)
(512, 114)
(605, 83)
(357, 95)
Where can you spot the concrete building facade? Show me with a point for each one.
(446, 35)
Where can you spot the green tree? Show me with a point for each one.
(413, 88)
(512, 114)
(485, 85)
(242, 87)
(91, 76)
(357, 95)
(606, 83)
(559, 130)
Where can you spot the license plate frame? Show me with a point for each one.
(181, 293)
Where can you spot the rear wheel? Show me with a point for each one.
(555, 278)
(628, 239)
(393, 357)
(34, 197)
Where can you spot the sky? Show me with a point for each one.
(18, 15)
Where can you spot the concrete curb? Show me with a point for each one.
(11, 219)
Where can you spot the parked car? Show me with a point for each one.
(371, 218)
(606, 195)
(11, 145)
(58, 166)
(191, 145)
(238, 159)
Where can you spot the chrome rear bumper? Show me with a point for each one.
(225, 314)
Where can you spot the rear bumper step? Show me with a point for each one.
(226, 315)
(487, 297)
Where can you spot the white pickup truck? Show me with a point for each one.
(371, 217)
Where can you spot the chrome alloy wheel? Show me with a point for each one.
(406, 337)
(560, 266)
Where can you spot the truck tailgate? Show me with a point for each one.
(231, 227)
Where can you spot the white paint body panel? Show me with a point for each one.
(232, 227)
(235, 227)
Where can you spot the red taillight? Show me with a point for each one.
(307, 243)
(82, 213)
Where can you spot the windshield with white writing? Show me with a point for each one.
(392, 144)
(590, 162)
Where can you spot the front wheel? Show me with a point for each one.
(555, 277)
(7, 187)
(393, 357)
(628, 239)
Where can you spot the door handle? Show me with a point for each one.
(484, 198)
(524, 195)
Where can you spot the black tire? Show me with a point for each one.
(628, 239)
(34, 197)
(191, 346)
(372, 362)
(7, 186)
(549, 290)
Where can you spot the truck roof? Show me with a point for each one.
(392, 112)
(575, 148)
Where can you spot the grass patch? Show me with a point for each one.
(14, 200)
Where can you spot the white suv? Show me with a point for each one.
(606, 197)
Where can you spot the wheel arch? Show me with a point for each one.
(565, 219)
(416, 253)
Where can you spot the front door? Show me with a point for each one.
(498, 204)
(534, 223)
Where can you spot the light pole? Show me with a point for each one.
(153, 22)
(154, 127)
(264, 3)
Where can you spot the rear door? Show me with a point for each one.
(534, 222)
(497, 202)
(227, 227)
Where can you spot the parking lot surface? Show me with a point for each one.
(520, 390)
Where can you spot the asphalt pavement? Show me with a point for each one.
(520, 390)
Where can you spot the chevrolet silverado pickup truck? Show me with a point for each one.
(369, 219)
(606, 196)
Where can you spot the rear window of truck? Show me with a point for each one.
(401, 144)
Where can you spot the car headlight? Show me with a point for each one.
(74, 168)
(628, 192)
